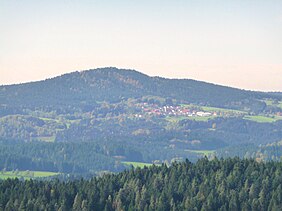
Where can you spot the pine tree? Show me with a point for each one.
(77, 203)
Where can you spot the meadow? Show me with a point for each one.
(273, 103)
(26, 174)
(262, 119)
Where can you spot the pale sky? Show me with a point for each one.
(235, 43)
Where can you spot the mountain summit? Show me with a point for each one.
(113, 84)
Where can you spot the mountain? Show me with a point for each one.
(99, 120)
(112, 84)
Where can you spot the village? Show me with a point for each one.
(199, 112)
(171, 110)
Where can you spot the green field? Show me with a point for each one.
(202, 152)
(26, 174)
(272, 103)
(45, 119)
(201, 118)
(47, 138)
(213, 109)
(137, 164)
(262, 119)
(230, 112)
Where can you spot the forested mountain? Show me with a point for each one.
(98, 119)
(112, 84)
(230, 184)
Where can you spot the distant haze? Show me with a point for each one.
(234, 43)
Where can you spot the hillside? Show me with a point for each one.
(97, 120)
(112, 84)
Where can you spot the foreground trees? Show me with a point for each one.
(230, 184)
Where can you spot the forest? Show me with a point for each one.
(86, 159)
(220, 184)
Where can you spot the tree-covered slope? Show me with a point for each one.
(112, 84)
(230, 184)
(75, 88)
(131, 117)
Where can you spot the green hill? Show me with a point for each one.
(111, 84)
(97, 120)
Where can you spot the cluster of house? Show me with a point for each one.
(153, 109)
(279, 113)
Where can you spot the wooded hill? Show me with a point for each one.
(111, 84)
(97, 119)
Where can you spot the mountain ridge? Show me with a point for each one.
(113, 84)
(110, 68)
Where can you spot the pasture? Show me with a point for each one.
(26, 174)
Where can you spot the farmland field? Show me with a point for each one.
(262, 119)
(214, 109)
(26, 174)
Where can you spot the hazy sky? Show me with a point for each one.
(231, 42)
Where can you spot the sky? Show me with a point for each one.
(234, 43)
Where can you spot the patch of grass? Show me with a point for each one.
(70, 122)
(270, 102)
(213, 109)
(201, 118)
(137, 164)
(202, 152)
(261, 119)
(26, 174)
(61, 121)
(47, 138)
(45, 119)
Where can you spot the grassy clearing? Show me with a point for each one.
(201, 118)
(47, 138)
(272, 103)
(137, 164)
(61, 121)
(202, 152)
(262, 119)
(26, 174)
(213, 109)
(45, 119)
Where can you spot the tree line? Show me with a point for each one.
(225, 184)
